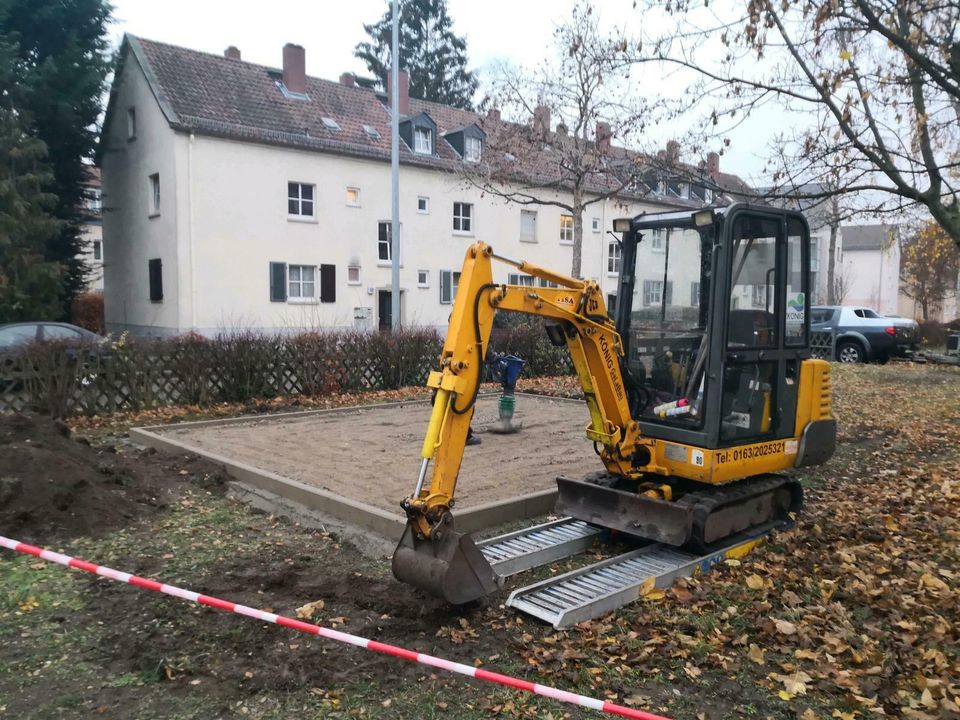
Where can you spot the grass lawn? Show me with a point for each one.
(854, 613)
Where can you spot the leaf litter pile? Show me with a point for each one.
(854, 613)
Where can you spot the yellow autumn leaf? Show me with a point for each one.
(306, 612)
(784, 695)
(933, 582)
(846, 54)
(890, 523)
(30, 604)
(756, 654)
(649, 590)
(754, 582)
(843, 715)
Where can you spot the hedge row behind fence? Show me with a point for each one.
(238, 367)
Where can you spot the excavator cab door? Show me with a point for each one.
(766, 303)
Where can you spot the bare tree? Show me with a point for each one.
(870, 85)
(574, 166)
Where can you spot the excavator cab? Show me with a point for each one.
(713, 310)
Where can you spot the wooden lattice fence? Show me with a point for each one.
(192, 370)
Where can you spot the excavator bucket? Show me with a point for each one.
(451, 567)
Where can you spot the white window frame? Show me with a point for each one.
(98, 250)
(463, 219)
(566, 229)
(359, 280)
(355, 200)
(301, 282)
(423, 141)
(154, 194)
(131, 123)
(658, 239)
(595, 224)
(453, 283)
(652, 292)
(472, 149)
(388, 262)
(423, 278)
(521, 279)
(426, 204)
(695, 294)
(528, 238)
(300, 200)
(614, 258)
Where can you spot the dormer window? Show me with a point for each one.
(330, 124)
(473, 148)
(423, 141)
(371, 132)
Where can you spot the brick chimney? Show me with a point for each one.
(494, 114)
(541, 120)
(403, 99)
(232, 53)
(348, 79)
(713, 165)
(604, 136)
(673, 152)
(295, 68)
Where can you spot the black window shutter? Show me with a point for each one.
(278, 282)
(155, 267)
(328, 283)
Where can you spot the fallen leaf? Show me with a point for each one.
(754, 582)
(785, 627)
(306, 612)
(756, 654)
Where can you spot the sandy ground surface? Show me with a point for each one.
(372, 454)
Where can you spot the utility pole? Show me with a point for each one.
(395, 170)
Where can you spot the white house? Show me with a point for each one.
(92, 230)
(871, 267)
(242, 196)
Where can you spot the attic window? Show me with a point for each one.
(371, 132)
(473, 147)
(289, 94)
(423, 141)
(330, 124)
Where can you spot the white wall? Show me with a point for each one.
(90, 233)
(131, 236)
(873, 278)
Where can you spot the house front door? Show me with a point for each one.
(385, 309)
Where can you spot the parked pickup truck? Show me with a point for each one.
(862, 334)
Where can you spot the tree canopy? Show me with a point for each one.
(430, 51)
(585, 90)
(929, 264)
(870, 85)
(55, 74)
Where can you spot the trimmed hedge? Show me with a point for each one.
(129, 374)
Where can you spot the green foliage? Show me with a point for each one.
(56, 69)
(30, 285)
(435, 57)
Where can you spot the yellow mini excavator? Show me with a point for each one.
(699, 383)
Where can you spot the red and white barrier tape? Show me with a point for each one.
(468, 670)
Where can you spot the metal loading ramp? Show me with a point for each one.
(538, 545)
(600, 588)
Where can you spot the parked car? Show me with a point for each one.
(15, 336)
(862, 334)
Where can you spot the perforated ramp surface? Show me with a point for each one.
(529, 548)
(600, 588)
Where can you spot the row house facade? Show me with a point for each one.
(237, 195)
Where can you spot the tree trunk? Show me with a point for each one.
(575, 269)
(832, 265)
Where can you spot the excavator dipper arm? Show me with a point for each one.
(431, 554)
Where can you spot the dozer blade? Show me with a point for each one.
(628, 512)
(451, 568)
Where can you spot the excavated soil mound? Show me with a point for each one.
(55, 486)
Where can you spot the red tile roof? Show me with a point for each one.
(214, 95)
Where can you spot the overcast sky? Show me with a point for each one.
(514, 30)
